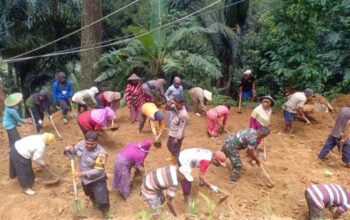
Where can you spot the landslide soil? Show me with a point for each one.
(291, 163)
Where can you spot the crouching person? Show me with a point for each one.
(332, 196)
(27, 149)
(160, 180)
(92, 160)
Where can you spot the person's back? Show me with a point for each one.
(295, 101)
(193, 156)
(342, 118)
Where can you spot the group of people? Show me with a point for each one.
(96, 111)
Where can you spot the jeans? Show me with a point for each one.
(331, 142)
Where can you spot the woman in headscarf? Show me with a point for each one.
(134, 97)
(260, 116)
(95, 120)
(11, 118)
(21, 155)
(132, 155)
(108, 99)
(213, 117)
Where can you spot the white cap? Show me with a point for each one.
(248, 72)
(94, 89)
(186, 171)
(208, 95)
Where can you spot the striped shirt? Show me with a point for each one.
(134, 94)
(164, 178)
(330, 195)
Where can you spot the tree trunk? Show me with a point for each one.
(92, 11)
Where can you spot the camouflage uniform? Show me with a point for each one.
(243, 139)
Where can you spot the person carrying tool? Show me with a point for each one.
(38, 103)
(96, 119)
(332, 196)
(260, 116)
(247, 86)
(165, 179)
(199, 99)
(199, 158)
(132, 155)
(151, 112)
(11, 118)
(178, 124)
(153, 90)
(21, 155)
(293, 106)
(92, 161)
(213, 117)
(241, 140)
(108, 99)
(134, 97)
(84, 98)
(62, 93)
(339, 137)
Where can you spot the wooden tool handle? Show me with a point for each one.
(54, 126)
(266, 175)
(74, 181)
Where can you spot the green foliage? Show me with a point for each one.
(209, 205)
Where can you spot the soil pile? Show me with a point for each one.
(291, 162)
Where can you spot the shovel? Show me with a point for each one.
(114, 128)
(33, 120)
(157, 143)
(76, 206)
(222, 199)
(54, 175)
(57, 132)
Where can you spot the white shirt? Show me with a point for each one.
(295, 101)
(82, 95)
(193, 156)
(31, 147)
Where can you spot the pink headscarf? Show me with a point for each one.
(102, 116)
(111, 96)
(137, 151)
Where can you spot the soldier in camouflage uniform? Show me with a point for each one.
(243, 139)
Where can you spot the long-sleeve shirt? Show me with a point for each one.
(91, 162)
(178, 122)
(83, 95)
(34, 102)
(31, 147)
(62, 90)
(11, 118)
(164, 178)
(341, 121)
(247, 138)
(219, 111)
(329, 196)
(134, 94)
(197, 96)
(173, 92)
(86, 121)
(136, 152)
(260, 117)
(149, 109)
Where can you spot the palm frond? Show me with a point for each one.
(185, 33)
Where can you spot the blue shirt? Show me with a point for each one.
(11, 118)
(59, 93)
(172, 92)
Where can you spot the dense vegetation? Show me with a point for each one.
(299, 43)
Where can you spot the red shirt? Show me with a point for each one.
(86, 122)
(102, 98)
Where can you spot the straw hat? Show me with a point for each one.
(13, 99)
(134, 77)
(273, 102)
(208, 95)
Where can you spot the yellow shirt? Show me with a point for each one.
(149, 109)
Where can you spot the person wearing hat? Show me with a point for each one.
(199, 158)
(241, 140)
(108, 99)
(84, 98)
(339, 137)
(247, 86)
(174, 90)
(153, 90)
(199, 98)
(260, 116)
(132, 155)
(62, 93)
(150, 111)
(21, 155)
(96, 119)
(294, 105)
(38, 104)
(134, 97)
(92, 170)
(177, 127)
(160, 181)
(213, 117)
(11, 118)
